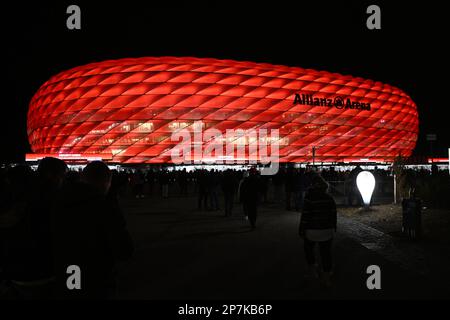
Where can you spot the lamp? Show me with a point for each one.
(365, 182)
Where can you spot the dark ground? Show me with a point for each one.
(183, 253)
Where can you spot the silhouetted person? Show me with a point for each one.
(296, 188)
(289, 186)
(202, 182)
(250, 190)
(182, 182)
(229, 187)
(30, 247)
(241, 182)
(90, 232)
(411, 214)
(278, 183)
(150, 179)
(317, 226)
(434, 170)
(213, 185)
(303, 184)
(138, 181)
(164, 183)
(72, 177)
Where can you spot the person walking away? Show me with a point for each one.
(278, 183)
(213, 185)
(202, 182)
(249, 195)
(244, 176)
(90, 232)
(150, 180)
(164, 183)
(229, 186)
(289, 186)
(303, 187)
(317, 226)
(182, 182)
(138, 180)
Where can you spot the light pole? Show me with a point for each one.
(431, 137)
(313, 154)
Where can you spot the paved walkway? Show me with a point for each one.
(182, 253)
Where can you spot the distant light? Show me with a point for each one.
(434, 160)
(366, 184)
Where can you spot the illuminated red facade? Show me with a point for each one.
(126, 110)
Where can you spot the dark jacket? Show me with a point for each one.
(229, 183)
(250, 190)
(319, 211)
(90, 232)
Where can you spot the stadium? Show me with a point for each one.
(127, 111)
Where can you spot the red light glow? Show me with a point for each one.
(126, 110)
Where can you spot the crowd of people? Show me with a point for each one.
(216, 188)
(54, 217)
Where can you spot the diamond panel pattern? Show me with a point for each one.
(127, 110)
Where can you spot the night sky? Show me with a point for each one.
(410, 51)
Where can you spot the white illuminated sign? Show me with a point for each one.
(365, 182)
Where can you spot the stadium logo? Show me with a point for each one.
(337, 102)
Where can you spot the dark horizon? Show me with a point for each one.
(408, 52)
